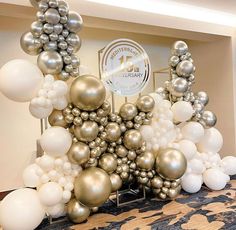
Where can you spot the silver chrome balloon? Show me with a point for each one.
(208, 119)
(50, 62)
(29, 44)
(75, 22)
(185, 68)
(40, 16)
(173, 61)
(52, 45)
(44, 38)
(202, 97)
(58, 28)
(48, 28)
(36, 28)
(179, 48)
(43, 6)
(52, 16)
(74, 40)
(178, 86)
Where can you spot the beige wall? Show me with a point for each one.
(214, 74)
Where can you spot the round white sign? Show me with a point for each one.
(125, 67)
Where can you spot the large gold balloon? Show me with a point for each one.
(56, 118)
(77, 212)
(113, 132)
(108, 163)
(145, 103)
(92, 187)
(128, 111)
(133, 139)
(79, 153)
(145, 161)
(116, 182)
(87, 92)
(88, 131)
(171, 163)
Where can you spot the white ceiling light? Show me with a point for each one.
(174, 9)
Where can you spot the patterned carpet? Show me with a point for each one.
(205, 210)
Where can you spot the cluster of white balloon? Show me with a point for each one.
(200, 146)
(185, 125)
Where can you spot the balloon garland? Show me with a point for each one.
(163, 141)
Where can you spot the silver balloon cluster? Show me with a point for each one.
(178, 88)
(54, 38)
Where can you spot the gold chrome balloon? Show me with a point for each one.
(145, 161)
(157, 182)
(145, 103)
(87, 92)
(77, 212)
(121, 151)
(128, 111)
(88, 131)
(56, 118)
(116, 182)
(171, 163)
(79, 153)
(133, 139)
(113, 132)
(92, 187)
(108, 163)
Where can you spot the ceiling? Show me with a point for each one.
(228, 6)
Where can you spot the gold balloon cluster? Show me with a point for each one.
(110, 148)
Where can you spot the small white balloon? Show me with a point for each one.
(60, 103)
(228, 164)
(193, 131)
(188, 148)
(60, 87)
(44, 178)
(46, 162)
(30, 177)
(147, 132)
(50, 194)
(56, 141)
(182, 111)
(40, 112)
(56, 211)
(196, 166)
(21, 209)
(49, 78)
(66, 196)
(191, 183)
(211, 142)
(20, 80)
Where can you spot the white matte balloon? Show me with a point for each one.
(211, 142)
(182, 111)
(56, 141)
(39, 111)
(50, 194)
(21, 209)
(193, 131)
(215, 179)
(196, 166)
(60, 103)
(20, 80)
(191, 183)
(30, 177)
(188, 148)
(228, 164)
(56, 211)
(46, 162)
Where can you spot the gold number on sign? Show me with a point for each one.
(127, 64)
